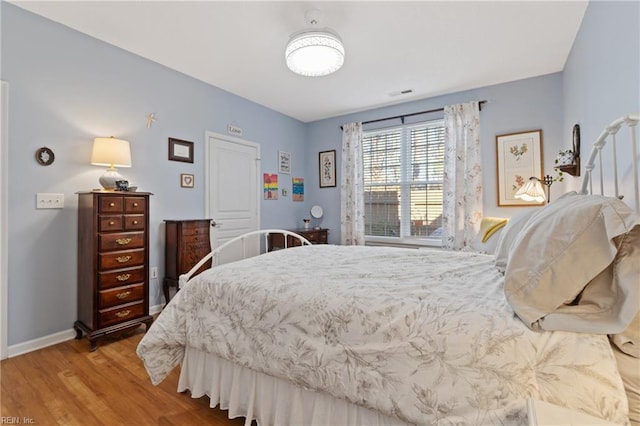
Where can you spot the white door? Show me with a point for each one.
(233, 191)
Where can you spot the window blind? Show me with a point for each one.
(403, 173)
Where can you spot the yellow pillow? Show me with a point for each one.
(490, 225)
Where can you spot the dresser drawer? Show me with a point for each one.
(192, 254)
(110, 223)
(120, 295)
(195, 228)
(135, 205)
(120, 259)
(195, 239)
(320, 238)
(113, 204)
(121, 313)
(120, 278)
(120, 241)
(315, 237)
(134, 222)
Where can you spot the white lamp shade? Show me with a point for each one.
(314, 53)
(531, 191)
(111, 152)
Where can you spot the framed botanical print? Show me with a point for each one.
(327, 168)
(519, 157)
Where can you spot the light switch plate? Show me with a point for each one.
(49, 200)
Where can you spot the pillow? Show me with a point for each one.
(628, 267)
(508, 236)
(629, 368)
(629, 340)
(487, 238)
(489, 226)
(565, 248)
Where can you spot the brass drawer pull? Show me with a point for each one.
(112, 204)
(123, 314)
(135, 204)
(135, 222)
(123, 259)
(123, 241)
(123, 277)
(111, 223)
(123, 295)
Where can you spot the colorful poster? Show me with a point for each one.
(298, 189)
(270, 186)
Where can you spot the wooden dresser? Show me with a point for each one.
(187, 241)
(315, 236)
(113, 263)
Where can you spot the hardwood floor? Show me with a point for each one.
(66, 384)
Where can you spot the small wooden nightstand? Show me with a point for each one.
(315, 236)
(187, 241)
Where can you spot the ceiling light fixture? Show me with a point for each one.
(314, 52)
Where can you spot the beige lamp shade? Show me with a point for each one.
(531, 191)
(113, 153)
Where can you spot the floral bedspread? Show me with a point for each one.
(423, 335)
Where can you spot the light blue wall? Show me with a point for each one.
(601, 79)
(530, 104)
(67, 88)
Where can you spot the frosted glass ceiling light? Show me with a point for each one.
(314, 52)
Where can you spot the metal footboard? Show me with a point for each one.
(214, 255)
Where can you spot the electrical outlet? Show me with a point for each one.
(154, 272)
(49, 201)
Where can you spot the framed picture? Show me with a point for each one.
(180, 150)
(187, 180)
(297, 185)
(519, 157)
(270, 186)
(284, 162)
(327, 168)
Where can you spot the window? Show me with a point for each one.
(403, 174)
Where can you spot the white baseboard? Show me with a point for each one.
(40, 343)
(54, 339)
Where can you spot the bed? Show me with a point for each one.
(346, 335)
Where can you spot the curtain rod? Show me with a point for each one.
(403, 116)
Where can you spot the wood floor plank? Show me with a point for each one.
(67, 385)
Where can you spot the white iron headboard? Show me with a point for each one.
(628, 125)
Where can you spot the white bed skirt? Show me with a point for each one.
(268, 400)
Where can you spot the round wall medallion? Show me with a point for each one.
(45, 156)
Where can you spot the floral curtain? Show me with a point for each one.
(352, 186)
(462, 190)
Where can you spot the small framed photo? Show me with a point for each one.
(187, 180)
(284, 162)
(327, 168)
(180, 150)
(519, 157)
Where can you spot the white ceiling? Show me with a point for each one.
(430, 47)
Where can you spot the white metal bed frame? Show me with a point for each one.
(536, 413)
(243, 239)
(630, 121)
